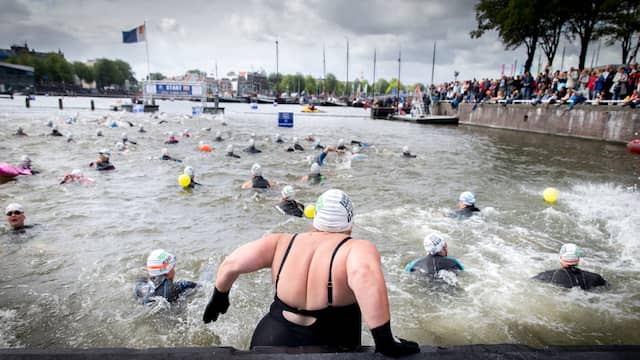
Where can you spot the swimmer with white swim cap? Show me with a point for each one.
(314, 177)
(288, 204)
(569, 275)
(77, 177)
(218, 136)
(279, 139)
(466, 206)
(251, 149)
(353, 290)
(406, 152)
(165, 156)
(103, 164)
(230, 152)
(159, 283)
(436, 259)
(192, 175)
(257, 180)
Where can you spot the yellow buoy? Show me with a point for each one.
(310, 211)
(184, 180)
(550, 195)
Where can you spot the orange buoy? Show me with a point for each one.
(205, 148)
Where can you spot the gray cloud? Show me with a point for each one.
(241, 35)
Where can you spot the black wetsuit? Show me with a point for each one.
(147, 289)
(335, 326)
(171, 141)
(571, 276)
(279, 141)
(290, 149)
(55, 133)
(431, 264)
(465, 212)
(260, 183)
(252, 150)
(167, 157)
(218, 139)
(315, 179)
(291, 207)
(104, 165)
(319, 147)
(408, 155)
(231, 154)
(298, 147)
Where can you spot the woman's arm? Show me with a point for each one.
(247, 258)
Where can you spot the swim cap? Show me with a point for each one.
(76, 172)
(315, 168)
(99, 132)
(405, 149)
(467, 198)
(55, 127)
(295, 139)
(165, 151)
(105, 152)
(119, 146)
(25, 159)
(253, 135)
(201, 143)
(20, 128)
(69, 136)
(218, 133)
(124, 136)
(230, 148)
(256, 170)
(433, 243)
(14, 207)
(334, 212)
(288, 192)
(49, 123)
(252, 142)
(278, 137)
(160, 262)
(341, 142)
(188, 171)
(185, 131)
(570, 254)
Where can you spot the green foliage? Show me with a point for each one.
(622, 23)
(331, 84)
(197, 72)
(83, 71)
(157, 76)
(310, 85)
(393, 83)
(112, 73)
(381, 86)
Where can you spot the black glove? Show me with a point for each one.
(218, 304)
(391, 346)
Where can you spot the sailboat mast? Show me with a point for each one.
(346, 85)
(433, 62)
(324, 70)
(374, 73)
(399, 62)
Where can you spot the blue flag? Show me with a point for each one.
(135, 35)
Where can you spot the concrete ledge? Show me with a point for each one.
(607, 123)
(504, 351)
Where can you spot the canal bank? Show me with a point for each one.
(597, 122)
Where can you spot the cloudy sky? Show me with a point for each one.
(240, 35)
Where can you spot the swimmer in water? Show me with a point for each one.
(356, 155)
(77, 177)
(252, 147)
(288, 204)
(192, 175)
(55, 132)
(98, 132)
(320, 158)
(171, 139)
(230, 152)
(310, 138)
(296, 146)
(218, 137)
(20, 132)
(160, 281)
(466, 206)
(314, 177)
(257, 181)
(125, 140)
(436, 258)
(341, 148)
(70, 138)
(166, 156)
(317, 145)
(120, 147)
(141, 129)
(103, 164)
(569, 275)
(25, 164)
(49, 123)
(15, 218)
(186, 133)
(279, 139)
(406, 153)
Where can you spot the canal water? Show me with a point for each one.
(68, 282)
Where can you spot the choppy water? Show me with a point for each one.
(69, 281)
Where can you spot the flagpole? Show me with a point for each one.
(146, 42)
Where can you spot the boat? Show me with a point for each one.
(265, 99)
(634, 146)
(418, 115)
(307, 109)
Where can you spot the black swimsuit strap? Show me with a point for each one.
(330, 283)
(284, 258)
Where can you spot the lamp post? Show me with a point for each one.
(277, 73)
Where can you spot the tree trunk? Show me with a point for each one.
(531, 51)
(584, 46)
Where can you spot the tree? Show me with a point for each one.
(58, 69)
(157, 76)
(310, 85)
(516, 22)
(197, 73)
(381, 86)
(331, 84)
(584, 15)
(83, 71)
(393, 83)
(297, 83)
(552, 25)
(622, 22)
